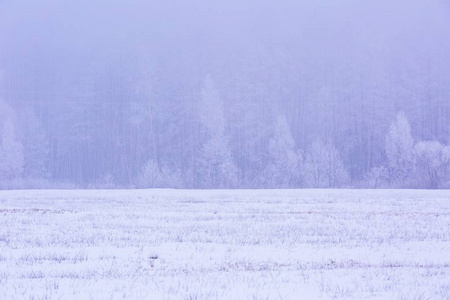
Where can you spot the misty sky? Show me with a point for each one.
(60, 32)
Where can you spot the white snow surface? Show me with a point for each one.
(225, 244)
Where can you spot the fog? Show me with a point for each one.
(230, 94)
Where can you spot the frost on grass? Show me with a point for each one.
(166, 244)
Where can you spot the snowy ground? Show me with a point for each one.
(168, 244)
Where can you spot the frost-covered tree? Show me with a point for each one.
(106, 181)
(377, 177)
(282, 159)
(215, 166)
(153, 175)
(432, 162)
(36, 147)
(149, 176)
(399, 148)
(11, 152)
(323, 166)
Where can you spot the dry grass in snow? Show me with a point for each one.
(262, 244)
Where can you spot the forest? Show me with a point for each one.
(198, 94)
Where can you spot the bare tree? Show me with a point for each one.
(323, 167)
(433, 161)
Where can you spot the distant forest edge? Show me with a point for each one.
(308, 94)
(33, 156)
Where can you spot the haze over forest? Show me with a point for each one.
(225, 94)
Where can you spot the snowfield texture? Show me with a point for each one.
(240, 244)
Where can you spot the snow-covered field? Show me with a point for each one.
(262, 244)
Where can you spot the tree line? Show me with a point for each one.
(209, 159)
(297, 94)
